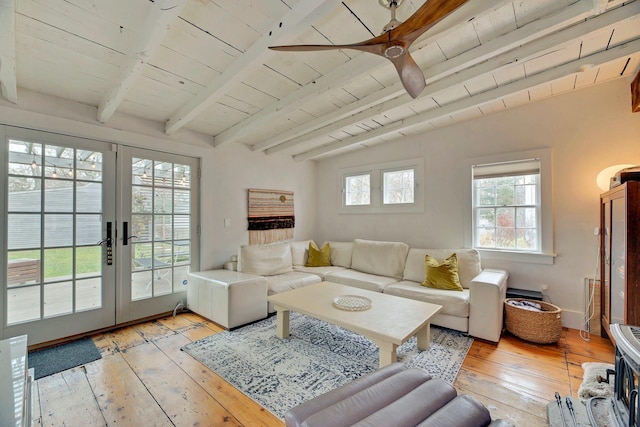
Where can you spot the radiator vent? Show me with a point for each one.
(592, 305)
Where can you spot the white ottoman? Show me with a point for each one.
(229, 298)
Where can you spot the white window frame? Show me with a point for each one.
(376, 198)
(545, 254)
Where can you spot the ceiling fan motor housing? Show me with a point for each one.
(394, 51)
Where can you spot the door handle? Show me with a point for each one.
(125, 234)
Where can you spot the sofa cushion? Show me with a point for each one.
(453, 303)
(341, 253)
(288, 281)
(358, 279)
(319, 271)
(380, 258)
(266, 260)
(319, 257)
(300, 252)
(442, 275)
(468, 263)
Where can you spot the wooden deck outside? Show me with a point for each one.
(144, 379)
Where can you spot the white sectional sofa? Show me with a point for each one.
(393, 268)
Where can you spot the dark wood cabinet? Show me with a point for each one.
(620, 255)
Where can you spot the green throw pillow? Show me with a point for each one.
(319, 257)
(442, 276)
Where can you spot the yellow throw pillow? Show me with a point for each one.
(442, 276)
(319, 257)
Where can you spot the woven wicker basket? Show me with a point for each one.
(541, 327)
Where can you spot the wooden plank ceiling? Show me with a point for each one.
(204, 65)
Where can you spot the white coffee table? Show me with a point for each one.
(389, 322)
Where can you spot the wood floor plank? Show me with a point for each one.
(550, 368)
(198, 332)
(125, 338)
(104, 344)
(526, 383)
(201, 320)
(121, 396)
(152, 330)
(514, 415)
(484, 385)
(181, 398)
(66, 399)
(177, 323)
(248, 412)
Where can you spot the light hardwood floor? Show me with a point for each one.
(143, 379)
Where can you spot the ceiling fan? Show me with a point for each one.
(395, 40)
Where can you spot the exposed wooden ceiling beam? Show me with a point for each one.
(161, 15)
(302, 14)
(530, 39)
(8, 82)
(546, 76)
(359, 64)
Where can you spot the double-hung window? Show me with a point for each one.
(507, 208)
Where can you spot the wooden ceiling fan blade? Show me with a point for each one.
(429, 14)
(371, 46)
(411, 75)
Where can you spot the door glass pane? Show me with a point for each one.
(162, 174)
(58, 299)
(88, 294)
(58, 230)
(24, 194)
(141, 285)
(182, 175)
(88, 165)
(182, 201)
(88, 261)
(23, 304)
(161, 222)
(88, 229)
(141, 226)
(163, 227)
(88, 197)
(142, 199)
(58, 195)
(23, 231)
(58, 264)
(23, 268)
(163, 201)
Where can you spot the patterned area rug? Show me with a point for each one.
(316, 358)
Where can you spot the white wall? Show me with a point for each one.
(227, 172)
(587, 130)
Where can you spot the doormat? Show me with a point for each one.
(56, 359)
(316, 358)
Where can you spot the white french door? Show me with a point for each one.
(58, 205)
(94, 234)
(159, 234)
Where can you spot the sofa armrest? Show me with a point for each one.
(487, 292)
